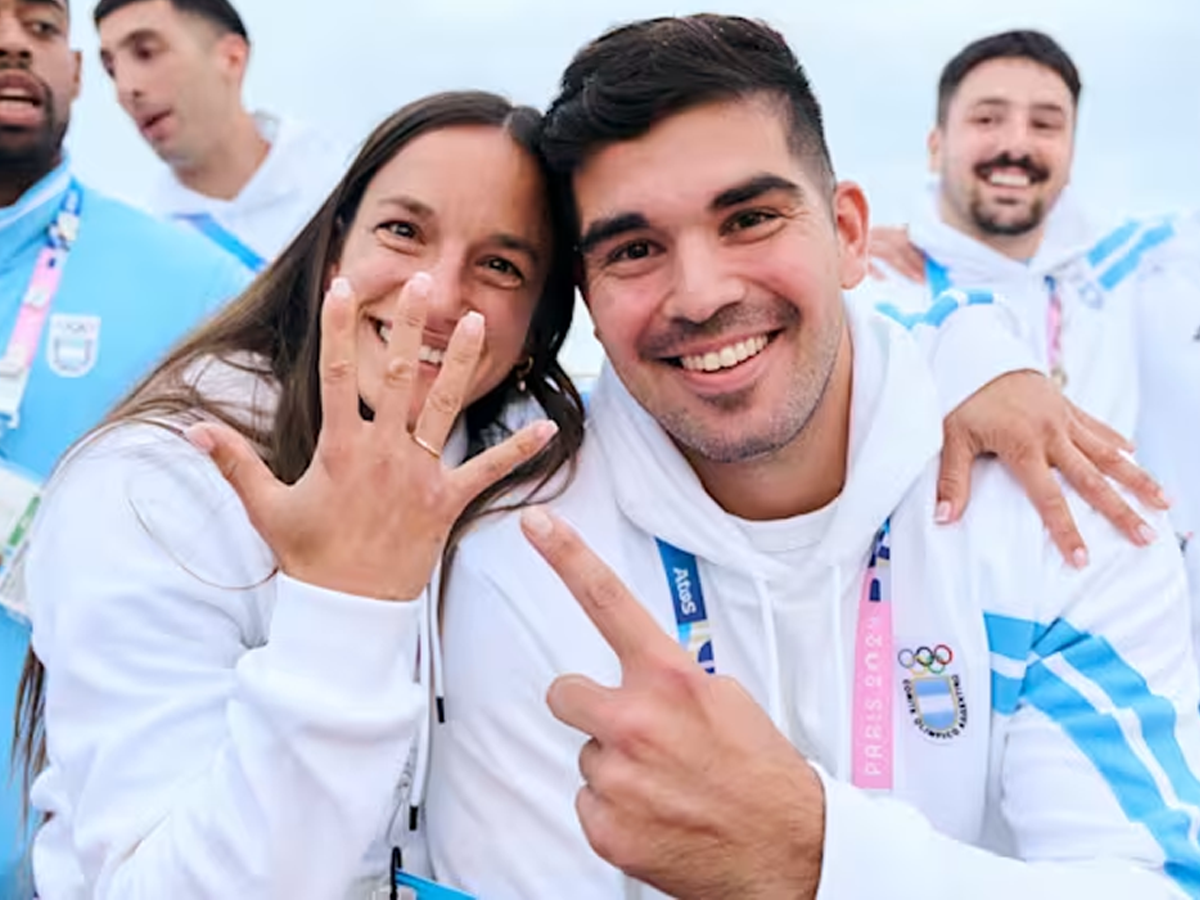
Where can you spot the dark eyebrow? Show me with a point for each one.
(610, 227)
(409, 204)
(520, 245)
(60, 5)
(752, 189)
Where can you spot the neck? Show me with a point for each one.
(802, 477)
(229, 164)
(1020, 247)
(18, 177)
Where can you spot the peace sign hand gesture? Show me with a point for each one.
(687, 784)
(370, 515)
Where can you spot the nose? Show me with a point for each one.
(448, 295)
(1017, 137)
(128, 84)
(704, 283)
(16, 46)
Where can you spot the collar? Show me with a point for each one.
(40, 201)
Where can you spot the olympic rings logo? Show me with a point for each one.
(933, 661)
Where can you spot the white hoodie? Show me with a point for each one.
(1073, 770)
(213, 732)
(300, 170)
(1130, 330)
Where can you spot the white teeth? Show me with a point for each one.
(426, 354)
(1009, 179)
(727, 357)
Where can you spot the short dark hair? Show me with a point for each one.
(219, 13)
(1032, 45)
(630, 78)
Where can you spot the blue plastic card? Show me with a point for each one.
(427, 890)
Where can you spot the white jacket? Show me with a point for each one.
(213, 732)
(300, 170)
(1073, 772)
(1130, 331)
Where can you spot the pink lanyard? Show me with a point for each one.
(17, 362)
(871, 740)
(871, 748)
(1054, 323)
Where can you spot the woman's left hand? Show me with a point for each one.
(371, 513)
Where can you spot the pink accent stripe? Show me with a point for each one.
(22, 346)
(871, 741)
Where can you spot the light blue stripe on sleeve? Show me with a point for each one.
(1097, 660)
(941, 309)
(1009, 637)
(1100, 739)
(1112, 243)
(1006, 693)
(1127, 264)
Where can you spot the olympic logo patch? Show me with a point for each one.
(933, 693)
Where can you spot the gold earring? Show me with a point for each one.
(522, 372)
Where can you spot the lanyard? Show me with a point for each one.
(225, 239)
(17, 362)
(1054, 323)
(871, 739)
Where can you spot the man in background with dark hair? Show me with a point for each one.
(801, 685)
(1112, 313)
(92, 293)
(246, 181)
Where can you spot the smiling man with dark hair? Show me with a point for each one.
(792, 683)
(1108, 311)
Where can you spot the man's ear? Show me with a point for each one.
(933, 144)
(852, 216)
(234, 55)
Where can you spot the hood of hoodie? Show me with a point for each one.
(1069, 234)
(293, 148)
(895, 430)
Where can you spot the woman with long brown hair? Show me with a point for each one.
(230, 683)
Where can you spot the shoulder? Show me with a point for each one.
(151, 245)
(496, 548)
(301, 146)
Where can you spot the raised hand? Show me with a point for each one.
(1026, 421)
(891, 245)
(687, 784)
(372, 512)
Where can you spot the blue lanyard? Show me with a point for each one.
(225, 239)
(687, 596)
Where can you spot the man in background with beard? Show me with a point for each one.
(1112, 314)
(92, 293)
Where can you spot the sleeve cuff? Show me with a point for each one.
(342, 641)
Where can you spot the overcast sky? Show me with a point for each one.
(344, 65)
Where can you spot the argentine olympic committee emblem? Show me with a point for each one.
(73, 344)
(934, 694)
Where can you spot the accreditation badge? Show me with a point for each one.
(20, 495)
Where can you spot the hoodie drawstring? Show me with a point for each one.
(427, 678)
(774, 674)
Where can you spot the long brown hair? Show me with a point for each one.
(273, 330)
